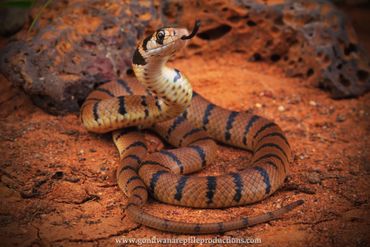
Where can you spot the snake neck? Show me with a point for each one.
(168, 84)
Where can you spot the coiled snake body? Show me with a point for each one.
(165, 102)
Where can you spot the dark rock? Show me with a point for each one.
(314, 177)
(340, 118)
(58, 175)
(72, 179)
(89, 42)
(70, 132)
(12, 20)
(308, 39)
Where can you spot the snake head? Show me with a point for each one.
(167, 40)
(164, 42)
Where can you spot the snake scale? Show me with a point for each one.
(165, 103)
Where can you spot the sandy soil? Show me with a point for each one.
(58, 183)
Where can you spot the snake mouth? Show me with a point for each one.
(162, 47)
(194, 32)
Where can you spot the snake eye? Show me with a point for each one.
(160, 37)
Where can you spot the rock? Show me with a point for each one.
(314, 177)
(70, 132)
(12, 19)
(89, 42)
(267, 94)
(258, 105)
(302, 156)
(58, 175)
(308, 39)
(72, 179)
(70, 193)
(281, 108)
(340, 118)
(294, 100)
(92, 42)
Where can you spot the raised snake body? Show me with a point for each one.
(164, 101)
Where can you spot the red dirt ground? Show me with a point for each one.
(58, 183)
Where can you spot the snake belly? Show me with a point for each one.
(164, 102)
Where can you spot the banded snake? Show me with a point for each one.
(164, 102)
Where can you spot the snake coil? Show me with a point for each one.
(164, 102)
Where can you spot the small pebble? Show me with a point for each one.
(258, 105)
(267, 94)
(331, 109)
(296, 99)
(314, 177)
(58, 175)
(70, 132)
(73, 179)
(340, 118)
(312, 103)
(281, 108)
(37, 156)
(302, 156)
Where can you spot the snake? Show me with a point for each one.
(163, 101)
